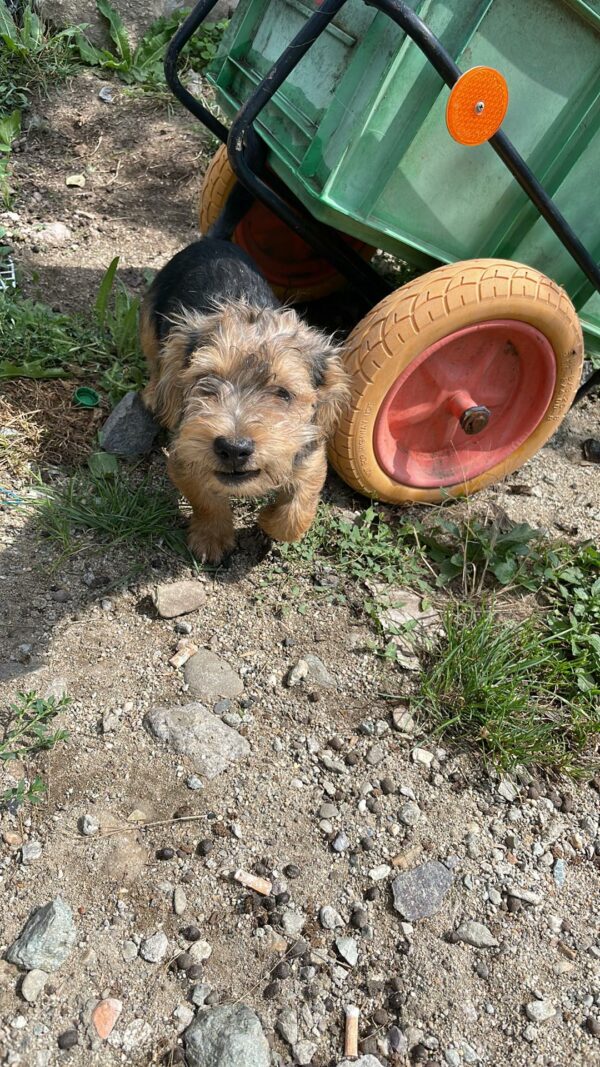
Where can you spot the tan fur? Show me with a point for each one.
(218, 375)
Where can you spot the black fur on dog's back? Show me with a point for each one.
(205, 273)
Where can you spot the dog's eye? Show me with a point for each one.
(283, 394)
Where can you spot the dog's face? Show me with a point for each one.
(251, 391)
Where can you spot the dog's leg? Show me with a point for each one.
(293, 510)
(211, 535)
(151, 349)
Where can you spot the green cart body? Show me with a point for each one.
(357, 131)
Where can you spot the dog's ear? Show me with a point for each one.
(333, 387)
(184, 338)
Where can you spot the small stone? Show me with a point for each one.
(33, 985)
(475, 934)
(359, 919)
(68, 1039)
(110, 722)
(403, 721)
(271, 990)
(204, 846)
(559, 873)
(341, 842)
(184, 961)
(362, 1061)
(422, 757)
(377, 874)
(136, 1036)
(387, 786)
(199, 994)
(420, 892)
(179, 598)
(318, 674)
(508, 790)
(31, 852)
(153, 949)
(183, 1014)
(210, 677)
(129, 951)
(226, 1036)
(330, 918)
(348, 949)
(182, 626)
(200, 951)
(297, 674)
(165, 853)
(47, 939)
(195, 972)
(179, 900)
(539, 1011)
(193, 782)
(191, 730)
(375, 755)
(291, 871)
(191, 933)
(56, 234)
(105, 1015)
(409, 814)
(593, 1026)
(282, 970)
(453, 1057)
(293, 922)
(397, 1041)
(287, 1025)
(89, 825)
(304, 1052)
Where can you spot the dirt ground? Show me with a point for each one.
(87, 625)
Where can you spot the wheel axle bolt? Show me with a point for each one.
(479, 107)
(475, 419)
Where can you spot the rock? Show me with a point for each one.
(129, 951)
(33, 985)
(297, 674)
(199, 994)
(403, 721)
(89, 825)
(362, 1061)
(330, 918)
(47, 938)
(420, 892)
(539, 1011)
(56, 234)
(200, 951)
(377, 874)
(68, 1039)
(559, 873)
(210, 677)
(227, 1036)
(184, 1015)
(293, 922)
(413, 625)
(110, 722)
(31, 852)
(193, 782)
(375, 755)
(318, 673)
(191, 730)
(304, 1052)
(348, 949)
(287, 1025)
(178, 598)
(105, 1015)
(154, 948)
(475, 934)
(130, 429)
(409, 814)
(507, 790)
(422, 756)
(137, 1035)
(341, 842)
(179, 900)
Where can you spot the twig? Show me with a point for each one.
(148, 825)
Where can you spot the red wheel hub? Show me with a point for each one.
(286, 261)
(465, 404)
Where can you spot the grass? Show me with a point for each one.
(10, 128)
(41, 343)
(29, 733)
(32, 58)
(117, 509)
(512, 690)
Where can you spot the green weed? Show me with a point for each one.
(10, 128)
(32, 58)
(29, 733)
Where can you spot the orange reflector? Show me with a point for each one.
(477, 105)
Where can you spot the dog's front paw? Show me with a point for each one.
(282, 523)
(210, 545)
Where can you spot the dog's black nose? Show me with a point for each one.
(236, 450)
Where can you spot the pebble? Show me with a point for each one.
(375, 755)
(304, 1052)
(179, 900)
(291, 871)
(559, 873)
(136, 1036)
(68, 1039)
(199, 994)
(165, 853)
(330, 918)
(200, 951)
(204, 846)
(105, 1015)
(230, 1036)
(287, 1025)
(31, 852)
(183, 1014)
(422, 757)
(348, 949)
(153, 949)
(47, 939)
(182, 626)
(210, 677)
(89, 825)
(179, 598)
(129, 951)
(33, 985)
(377, 874)
(539, 1011)
(420, 892)
(293, 922)
(56, 234)
(475, 934)
(271, 990)
(193, 731)
(409, 814)
(191, 933)
(341, 842)
(593, 1026)
(193, 782)
(359, 919)
(403, 721)
(387, 786)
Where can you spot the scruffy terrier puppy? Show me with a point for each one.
(250, 392)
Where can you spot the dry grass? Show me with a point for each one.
(40, 425)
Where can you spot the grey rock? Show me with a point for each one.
(33, 985)
(410, 813)
(153, 949)
(89, 825)
(130, 429)
(304, 1052)
(397, 1040)
(297, 674)
(179, 900)
(110, 722)
(193, 731)
(200, 993)
(348, 949)
(341, 842)
(475, 934)
(129, 951)
(318, 673)
(178, 598)
(375, 755)
(413, 625)
(287, 1025)
(226, 1036)
(56, 234)
(362, 1061)
(330, 918)
(559, 873)
(30, 852)
(184, 1015)
(420, 892)
(539, 1011)
(293, 922)
(453, 1057)
(47, 938)
(193, 782)
(137, 1035)
(403, 721)
(210, 677)
(507, 790)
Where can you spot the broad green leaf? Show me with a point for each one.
(118, 32)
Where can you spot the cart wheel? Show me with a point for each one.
(459, 377)
(290, 266)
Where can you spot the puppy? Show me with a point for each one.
(250, 393)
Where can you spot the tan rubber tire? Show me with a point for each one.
(218, 183)
(426, 310)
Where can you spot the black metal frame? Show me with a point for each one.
(241, 138)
